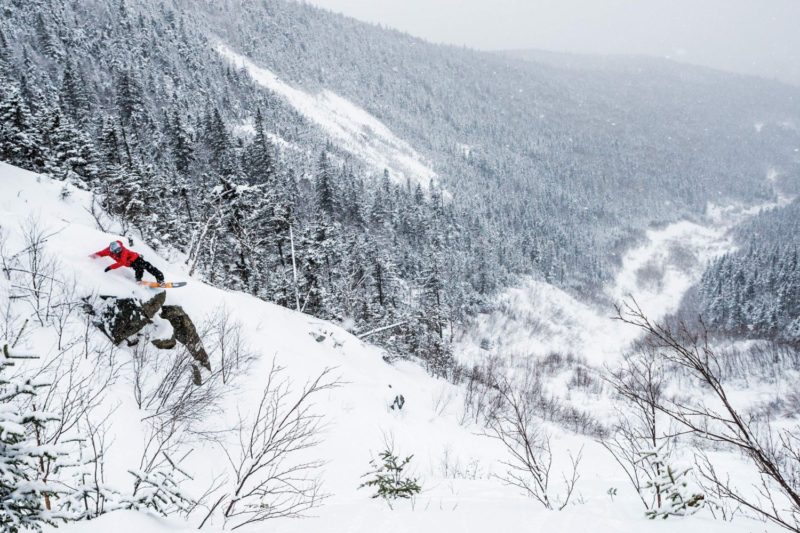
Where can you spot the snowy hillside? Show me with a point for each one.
(287, 151)
(537, 318)
(455, 464)
(401, 261)
(351, 127)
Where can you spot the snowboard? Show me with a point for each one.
(165, 285)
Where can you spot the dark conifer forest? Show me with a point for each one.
(542, 170)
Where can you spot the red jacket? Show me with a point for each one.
(124, 258)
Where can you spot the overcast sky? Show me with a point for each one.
(751, 36)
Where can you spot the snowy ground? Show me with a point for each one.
(454, 462)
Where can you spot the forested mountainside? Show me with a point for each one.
(541, 170)
(755, 291)
(533, 129)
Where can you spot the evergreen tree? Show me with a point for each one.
(182, 150)
(70, 149)
(112, 149)
(21, 495)
(218, 143)
(675, 495)
(47, 42)
(258, 160)
(5, 54)
(324, 185)
(382, 207)
(130, 99)
(20, 141)
(74, 99)
(388, 477)
(432, 345)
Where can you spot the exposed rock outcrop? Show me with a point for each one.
(186, 333)
(165, 344)
(121, 318)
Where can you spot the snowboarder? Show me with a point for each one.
(130, 259)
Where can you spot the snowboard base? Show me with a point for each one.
(165, 285)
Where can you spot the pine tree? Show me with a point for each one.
(130, 99)
(676, 498)
(111, 149)
(388, 477)
(245, 220)
(20, 141)
(74, 99)
(324, 186)
(182, 150)
(383, 205)
(70, 149)
(218, 143)
(353, 201)
(21, 496)
(31, 82)
(47, 42)
(431, 343)
(258, 160)
(5, 54)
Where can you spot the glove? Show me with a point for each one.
(94, 256)
(107, 269)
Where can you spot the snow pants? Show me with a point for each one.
(140, 265)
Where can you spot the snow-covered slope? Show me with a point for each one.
(349, 126)
(537, 318)
(456, 465)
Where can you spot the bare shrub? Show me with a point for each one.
(481, 399)
(78, 371)
(164, 388)
(651, 275)
(762, 360)
(270, 479)
(88, 495)
(553, 409)
(441, 399)
(74, 394)
(775, 453)
(793, 404)
(528, 445)
(642, 429)
(38, 284)
(163, 384)
(223, 337)
(585, 378)
(452, 467)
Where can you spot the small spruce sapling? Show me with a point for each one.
(387, 478)
(159, 491)
(23, 499)
(676, 498)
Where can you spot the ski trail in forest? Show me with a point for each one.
(348, 125)
(536, 318)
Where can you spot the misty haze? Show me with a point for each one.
(744, 36)
(357, 266)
